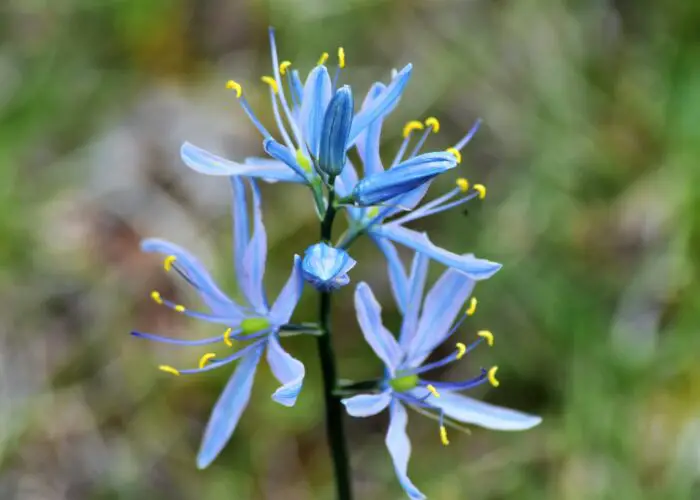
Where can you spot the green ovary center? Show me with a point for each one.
(254, 325)
(303, 161)
(405, 383)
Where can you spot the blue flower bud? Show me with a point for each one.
(401, 179)
(326, 267)
(335, 131)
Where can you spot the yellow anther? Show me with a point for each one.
(179, 308)
(284, 65)
(341, 57)
(461, 350)
(486, 335)
(323, 58)
(443, 435)
(168, 369)
(205, 359)
(434, 123)
(481, 189)
(233, 85)
(168, 262)
(372, 212)
(410, 126)
(271, 82)
(227, 337)
(463, 184)
(472, 307)
(456, 153)
(492, 376)
(156, 297)
(433, 390)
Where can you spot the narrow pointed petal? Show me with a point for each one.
(368, 140)
(397, 273)
(366, 405)
(207, 163)
(317, 95)
(444, 302)
(403, 178)
(369, 316)
(287, 300)
(241, 227)
(471, 411)
(282, 153)
(255, 257)
(334, 132)
(416, 283)
(197, 274)
(477, 269)
(228, 409)
(344, 185)
(400, 448)
(277, 166)
(382, 105)
(288, 370)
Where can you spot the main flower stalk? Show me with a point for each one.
(334, 408)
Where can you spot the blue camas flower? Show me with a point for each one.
(406, 383)
(255, 325)
(335, 132)
(326, 267)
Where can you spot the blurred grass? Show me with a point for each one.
(590, 152)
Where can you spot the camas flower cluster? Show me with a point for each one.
(317, 124)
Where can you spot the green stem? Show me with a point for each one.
(334, 409)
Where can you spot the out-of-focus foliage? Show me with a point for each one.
(590, 151)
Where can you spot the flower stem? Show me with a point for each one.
(334, 410)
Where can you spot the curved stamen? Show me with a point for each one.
(226, 320)
(213, 365)
(451, 358)
(420, 211)
(278, 117)
(460, 386)
(170, 340)
(249, 111)
(465, 140)
(420, 143)
(447, 206)
(407, 133)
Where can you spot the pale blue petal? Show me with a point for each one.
(416, 283)
(382, 105)
(287, 300)
(407, 201)
(317, 94)
(275, 165)
(369, 316)
(326, 267)
(366, 405)
(471, 411)
(368, 140)
(283, 154)
(400, 448)
(228, 409)
(197, 275)
(241, 224)
(397, 273)
(344, 185)
(444, 302)
(478, 269)
(255, 257)
(288, 370)
(204, 162)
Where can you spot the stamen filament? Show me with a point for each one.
(224, 361)
(421, 141)
(465, 140)
(249, 111)
(464, 385)
(169, 340)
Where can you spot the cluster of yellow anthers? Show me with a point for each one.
(284, 67)
(158, 299)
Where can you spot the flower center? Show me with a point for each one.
(303, 161)
(254, 325)
(405, 383)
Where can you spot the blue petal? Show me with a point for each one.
(289, 371)
(334, 132)
(403, 178)
(369, 139)
(369, 316)
(478, 269)
(416, 283)
(277, 166)
(241, 234)
(344, 185)
(407, 201)
(204, 162)
(397, 273)
(442, 305)
(255, 257)
(317, 94)
(281, 153)
(471, 411)
(400, 448)
(210, 293)
(366, 405)
(325, 267)
(228, 409)
(382, 105)
(288, 298)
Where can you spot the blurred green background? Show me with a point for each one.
(590, 151)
